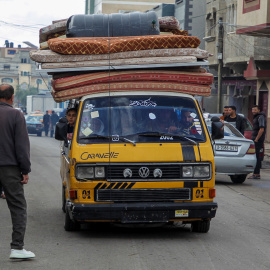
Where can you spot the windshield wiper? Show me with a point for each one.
(158, 134)
(96, 136)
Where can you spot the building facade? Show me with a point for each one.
(232, 52)
(17, 69)
(121, 6)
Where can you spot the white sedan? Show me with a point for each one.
(234, 154)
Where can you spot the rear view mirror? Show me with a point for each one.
(61, 129)
(217, 128)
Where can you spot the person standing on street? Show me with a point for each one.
(225, 113)
(235, 119)
(54, 120)
(258, 136)
(14, 168)
(46, 122)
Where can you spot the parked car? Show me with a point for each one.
(248, 124)
(34, 124)
(234, 154)
(248, 128)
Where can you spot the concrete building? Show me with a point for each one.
(191, 15)
(229, 27)
(17, 69)
(121, 6)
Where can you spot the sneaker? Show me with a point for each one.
(253, 176)
(21, 254)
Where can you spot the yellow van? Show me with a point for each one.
(138, 157)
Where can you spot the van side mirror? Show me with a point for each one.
(61, 129)
(217, 128)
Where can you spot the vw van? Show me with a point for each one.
(138, 157)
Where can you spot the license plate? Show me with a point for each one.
(181, 213)
(229, 148)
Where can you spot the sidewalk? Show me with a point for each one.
(266, 160)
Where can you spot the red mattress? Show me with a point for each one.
(193, 89)
(134, 76)
(105, 45)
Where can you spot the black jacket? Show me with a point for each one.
(259, 121)
(14, 142)
(240, 124)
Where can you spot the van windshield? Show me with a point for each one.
(139, 119)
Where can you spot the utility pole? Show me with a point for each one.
(220, 63)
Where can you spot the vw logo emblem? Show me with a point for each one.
(127, 173)
(144, 172)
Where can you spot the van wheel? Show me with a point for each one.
(238, 179)
(39, 134)
(70, 225)
(200, 226)
(64, 199)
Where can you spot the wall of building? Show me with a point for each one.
(120, 6)
(257, 17)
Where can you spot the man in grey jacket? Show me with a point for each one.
(14, 168)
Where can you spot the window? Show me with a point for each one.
(6, 67)
(23, 60)
(7, 80)
(39, 81)
(11, 52)
(25, 73)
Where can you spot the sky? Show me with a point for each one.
(20, 20)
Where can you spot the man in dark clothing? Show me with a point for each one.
(258, 136)
(54, 120)
(236, 120)
(46, 122)
(14, 167)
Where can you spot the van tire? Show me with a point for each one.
(39, 134)
(238, 179)
(202, 226)
(70, 225)
(64, 199)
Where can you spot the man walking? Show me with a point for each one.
(46, 122)
(258, 136)
(54, 120)
(14, 168)
(234, 119)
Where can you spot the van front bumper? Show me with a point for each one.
(142, 212)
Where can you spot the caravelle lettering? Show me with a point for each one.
(86, 155)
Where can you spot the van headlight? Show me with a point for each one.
(198, 171)
(89, 172)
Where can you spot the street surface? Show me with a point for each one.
(239, 237)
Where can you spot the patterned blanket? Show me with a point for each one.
(105, 45)
(193, 89)
(48, 56)
(123, 62)
(132, 75)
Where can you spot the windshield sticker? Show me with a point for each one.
(85, 119)
(87, 132)
(90, 106)
(115, 138)
(86, 155)
(152, 116)
(143, 103)
(94, 114)
(196, 120)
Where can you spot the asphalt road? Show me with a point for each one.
(239, 237)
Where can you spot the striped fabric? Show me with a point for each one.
(134, 76)
(77, 92)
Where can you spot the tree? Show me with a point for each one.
(20, 95)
